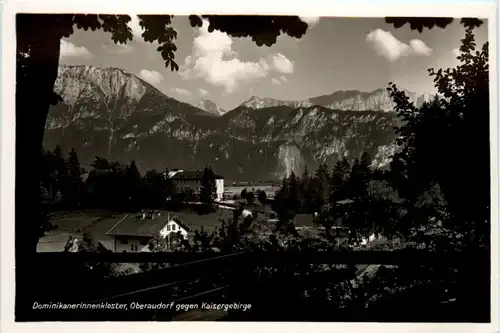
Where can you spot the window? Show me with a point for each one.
(168, 227)
(174, 226)
(134, 247)
(123, 241)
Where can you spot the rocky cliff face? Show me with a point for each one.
(266, 102)
(211, 107)
(111, 113)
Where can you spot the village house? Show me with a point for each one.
(184, 180)
(134, 231)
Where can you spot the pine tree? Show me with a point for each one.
(283, 209)
(262, 197)
(250, 197)
(208, 189)
(133, 182)
(74, 186)
(340, 177)
(60, 171)
(321, 187)
(294, 199)
(305, 191)
(244, 193)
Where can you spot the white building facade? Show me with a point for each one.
(191, 180)
(129, 240)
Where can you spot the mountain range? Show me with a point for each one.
(111, 113)
(345, 100)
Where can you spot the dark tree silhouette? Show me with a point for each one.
(321, 187)
(340, 177)
(155, 190)
(294, 199)
(74, 185)
(444, 193)
(250, 197)
(133, 186)
(43, 214)
(262, 197)
(305, 191)
(60, 171)
(435, 136)
(284, 210)
(244, 193)
(420, 23)
(208, 190)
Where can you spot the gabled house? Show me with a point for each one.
(134, 231)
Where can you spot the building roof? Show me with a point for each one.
(180, 222)
(134, 225)
(205, 221)
(191, 175)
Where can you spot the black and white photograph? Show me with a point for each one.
(254, 168)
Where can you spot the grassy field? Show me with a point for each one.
(75, 224)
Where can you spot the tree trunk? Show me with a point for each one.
(35, 77)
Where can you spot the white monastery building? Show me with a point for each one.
(184, 180)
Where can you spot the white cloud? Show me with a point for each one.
(182, 92)
(69, 49)
(311, 21)
(386, 45)
(276, 81)
(282, 64)
(119, 48)
(283, 79)
(214, 61)
(456, 52)
(136, 28)
(152, 76)
(202, 92)
(419, 47)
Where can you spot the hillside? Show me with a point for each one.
(111, 113)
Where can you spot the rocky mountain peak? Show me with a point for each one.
(73, 81)
(211, 107)
(255, 102)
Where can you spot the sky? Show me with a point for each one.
(335, 54)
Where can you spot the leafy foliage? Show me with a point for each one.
(262, 197)
(434, 137)
(419, 23)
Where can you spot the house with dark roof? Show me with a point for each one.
(133, 232)
(184, 180)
